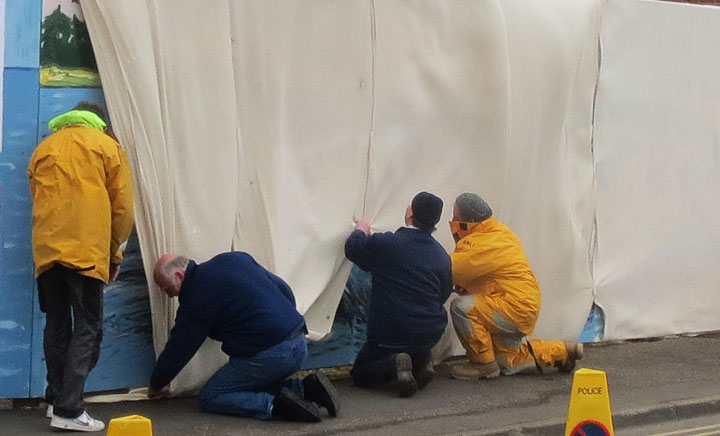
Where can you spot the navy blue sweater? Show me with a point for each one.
(411, 279)
(234, 300)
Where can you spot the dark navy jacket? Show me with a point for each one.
(411, 279)
(234, 300)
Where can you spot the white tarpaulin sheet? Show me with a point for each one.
(657, 152)
(266, 126)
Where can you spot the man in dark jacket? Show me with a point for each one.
(234, 300)
(411, 279)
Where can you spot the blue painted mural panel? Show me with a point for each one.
(349, 329)
(594, 329)
(16, 275)
(22, 33)
(127, 356)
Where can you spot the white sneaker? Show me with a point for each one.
(82, 423)
(49, 412)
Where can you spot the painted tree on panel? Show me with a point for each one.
(66, 54)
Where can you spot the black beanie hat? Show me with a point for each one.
(426, 209)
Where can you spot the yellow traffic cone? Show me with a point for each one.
(589, 411)
(133, 425)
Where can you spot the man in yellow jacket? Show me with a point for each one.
(82, 217)
(499, 299)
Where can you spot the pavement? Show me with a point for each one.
(649, 381)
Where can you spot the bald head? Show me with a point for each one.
(169, 273)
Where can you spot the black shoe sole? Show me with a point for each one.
(289, 406)
(424, 377)
(408, 384)
(325, 396)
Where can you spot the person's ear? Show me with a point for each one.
(180, 275)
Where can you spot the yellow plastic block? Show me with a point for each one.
(133, 425)
(589, 411)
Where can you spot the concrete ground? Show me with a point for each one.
(649, 381)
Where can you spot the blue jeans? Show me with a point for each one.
(246, 386)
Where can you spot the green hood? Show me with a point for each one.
(77, 117)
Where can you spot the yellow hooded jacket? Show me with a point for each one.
(490, 264)
(82, 201)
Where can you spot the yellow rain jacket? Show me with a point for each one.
(490, 264)
(82, 201)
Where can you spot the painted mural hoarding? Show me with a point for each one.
(64, 67)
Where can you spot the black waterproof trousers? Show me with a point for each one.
(73, 304)
(375, 364)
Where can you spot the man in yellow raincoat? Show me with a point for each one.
(499, 299)
(82, 217)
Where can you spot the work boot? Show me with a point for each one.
(407, 384)
(289, 406)
(424, 375)
(575, 352)
(474, 371)
(320, 391)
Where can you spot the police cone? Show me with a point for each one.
(589, 411)
(133, 425)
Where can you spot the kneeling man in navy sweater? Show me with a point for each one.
(234, 300)
(411, 279)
